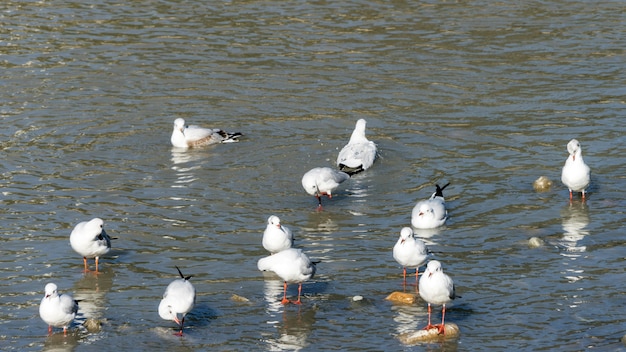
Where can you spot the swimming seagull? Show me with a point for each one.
(178, 300)
(321, 181)
(184, 136)
(89, 239)
(292, 265)
(575, 174)
(57, 310)
(359, 154)
(435, 287)
(430, 213)
(276, 237)
(410, 252)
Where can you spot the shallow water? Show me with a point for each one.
(483, 95)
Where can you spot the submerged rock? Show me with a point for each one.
(535, 242)
(93, 325)
(411, 338)
(238, 298)
(542, 184)
(402, 297)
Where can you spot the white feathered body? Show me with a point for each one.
(323, 180)
(576, 175)
(359, 154)
(410, 252)
(435, 287)
(291, 265)
(58, 310)
(184, 136)
(179, 299)
(89, 239)
(276, 237)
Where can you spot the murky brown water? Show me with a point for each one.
(480, 94)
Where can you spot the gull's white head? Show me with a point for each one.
(425, 209)
(573, 148)
(309, 184)
(433, 267)
(51, 290)
(274, 220)
(179, 124)
(358, 135)
(405, 233)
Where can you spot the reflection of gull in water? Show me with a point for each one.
(575, 218)
(407, 317)
(184, 172)
(91, 290)
(320, 223)
(294, 325)
(273, 288)
(60, 343)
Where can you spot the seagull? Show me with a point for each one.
(292, 266)
(57, 310)
(359, 154)
(179, 298)
(184, 136)
(575, 174)
(276, 237)
(321, 181)
(410, 252)
(435, 287)
(89, 239)
(430, 213)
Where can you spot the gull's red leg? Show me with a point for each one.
(284, 300)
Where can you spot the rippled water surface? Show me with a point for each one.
(484, 95)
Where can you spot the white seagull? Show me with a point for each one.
(292, 265)
(276, 237)
(410, 252)
(575, 174)
(184, 136)
(89, 239)
(430, 213)
(321, 181)
(178, 300)
(359, 154)
(435, 287)
(57, 310)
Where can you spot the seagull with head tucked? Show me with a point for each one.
(184, 136)
(178, 300)
(293, 266)
(359, 154)
(57, 310)
(89, 239)
(575, 174)
(430, 213)
(276, 237)
(321, 181)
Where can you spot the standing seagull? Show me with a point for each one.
(575, 174)
(89, 239)
(435, 287)
(430, 213)
(276, 237)
(184, 136)
(359, 154)
(409, 251)
(57, 310)
(321, 181)
(179, 298)
(292, 266)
